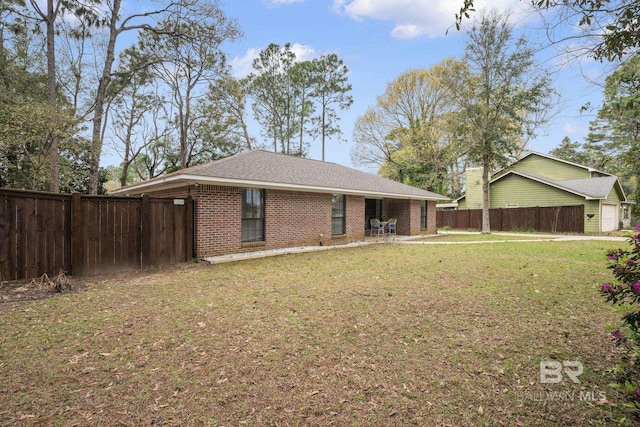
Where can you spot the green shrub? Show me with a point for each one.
(624, 294)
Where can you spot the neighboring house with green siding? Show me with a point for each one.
(541, 180)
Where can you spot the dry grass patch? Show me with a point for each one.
(376, 335)
(42, 287)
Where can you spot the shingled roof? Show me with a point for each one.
(263, 169)
(589, 188)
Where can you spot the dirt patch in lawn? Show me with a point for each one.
(42, 287)
(50, 286)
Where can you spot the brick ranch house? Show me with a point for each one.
(260, 200)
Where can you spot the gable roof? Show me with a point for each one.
(263, 169)
(589, 188)
(546, 156)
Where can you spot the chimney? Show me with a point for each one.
(473, 181)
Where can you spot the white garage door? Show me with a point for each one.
(609, 217)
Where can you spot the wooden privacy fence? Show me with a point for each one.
(85, 235)
(553, 219)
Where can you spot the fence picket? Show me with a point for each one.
(560, 219)
(84, 235)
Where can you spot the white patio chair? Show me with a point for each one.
(391, 226)
(376, 226)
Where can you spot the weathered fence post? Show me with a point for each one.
(77, 236)
(189, 228)
(145, 243)
(6, 266)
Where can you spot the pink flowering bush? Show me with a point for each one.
(624, 294)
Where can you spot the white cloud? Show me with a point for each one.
(285, 2)
(413, 18)
(573, 128)
(303, 52)
(408, 31)
(243, 65)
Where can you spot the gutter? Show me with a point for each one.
(168, 182)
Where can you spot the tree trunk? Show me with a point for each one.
(185, 118)
(301, 128)
(323, 129)
(247, 138)
(54, 152)
(288, 130)
(275, 134)
(103, 84)
(486, 223)
(126, 161)
(3, 63)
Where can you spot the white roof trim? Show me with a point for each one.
(588, 168)
(184, 179)
(586, 197)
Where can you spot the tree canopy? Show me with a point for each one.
(88, 94)
(615, 24)
(162, 98)
(504, 100)
(295, 99)
(408, 134)
(616, 130)
(479, 111)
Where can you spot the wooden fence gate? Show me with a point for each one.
(552, 219)
(86, 235)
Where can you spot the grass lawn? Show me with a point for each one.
(376, 335)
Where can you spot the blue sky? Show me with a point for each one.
(380, 39)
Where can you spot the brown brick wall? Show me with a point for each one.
(400, 209)
(218, 221)
(294, 219)
(431, 217)
(291, 219)
(355, 217)
(217, 230)
(408, 214)
(415, 216)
